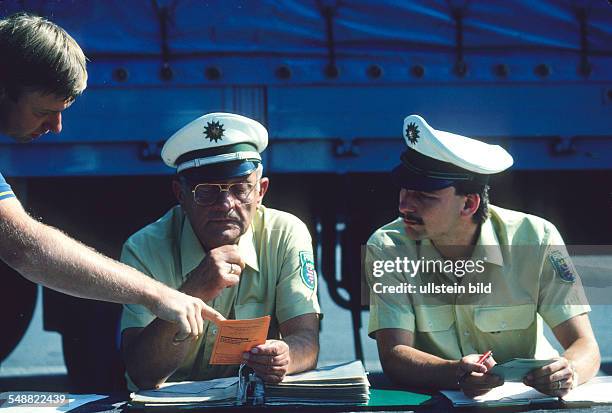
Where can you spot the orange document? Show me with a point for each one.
(237, 336)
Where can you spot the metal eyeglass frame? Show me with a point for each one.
(226, 188)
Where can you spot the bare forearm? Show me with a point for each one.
(45, 255)
(152, 356)
(303, 351)
(414, 368)
(585, 358)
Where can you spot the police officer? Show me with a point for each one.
(42, 72)
(223, 245)
(434, 337)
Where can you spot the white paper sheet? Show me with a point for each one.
(596, 390)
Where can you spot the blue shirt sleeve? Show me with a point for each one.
(5, 189)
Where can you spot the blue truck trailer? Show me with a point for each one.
(332, 82)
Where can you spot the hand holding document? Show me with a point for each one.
(516, 369)
(238, 336)
(596, 390)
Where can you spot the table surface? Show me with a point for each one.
(437, 404)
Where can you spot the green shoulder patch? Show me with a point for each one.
(563, 266)
(307, 269)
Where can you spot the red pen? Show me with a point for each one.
(481, 360)
(485, 357)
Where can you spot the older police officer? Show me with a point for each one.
(222, 245)
(435, 340)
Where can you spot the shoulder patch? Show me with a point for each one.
(563, 266)
(307, 269)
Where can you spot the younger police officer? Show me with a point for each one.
(435, 340)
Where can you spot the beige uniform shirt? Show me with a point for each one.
(279, 278)
(531, 279)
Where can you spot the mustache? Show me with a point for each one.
(412, 217)
(231, 215)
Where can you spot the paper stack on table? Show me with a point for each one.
(343, 384)
(596, 390)
(509, 394)
(217, 392)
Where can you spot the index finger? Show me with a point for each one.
(240, 262)
(469, 367)
(232, 256)
(211, 314)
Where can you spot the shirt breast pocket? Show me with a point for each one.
(250, 310)
(430, 319)
(255, 310)
(496, 320)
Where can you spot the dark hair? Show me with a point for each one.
(38, 55)
(466, 188)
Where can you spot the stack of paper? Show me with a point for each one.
(510, 394)
(345, 383)
(217, 392)
(596, 390)
(339, 384)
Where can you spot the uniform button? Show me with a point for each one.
(214, 330)
(430, 324)
(466, 333)
(503, 324)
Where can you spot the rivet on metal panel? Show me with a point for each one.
(563, 146)
(585, 69)
(213, 73)
(150, 151)
(542, 70)
(283, 72)
(417, 71)
(460, 69)
(120, 74)
(166, 72)
(345, 148)
(501, 70)
(374, 71)
(331, 71)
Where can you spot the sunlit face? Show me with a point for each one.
(223, 222)
(430, 215)
(32, 115)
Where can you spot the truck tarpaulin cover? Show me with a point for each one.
(266, 26)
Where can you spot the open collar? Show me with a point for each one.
(487, 246)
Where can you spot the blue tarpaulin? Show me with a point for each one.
(536, 75)
(360, 26)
